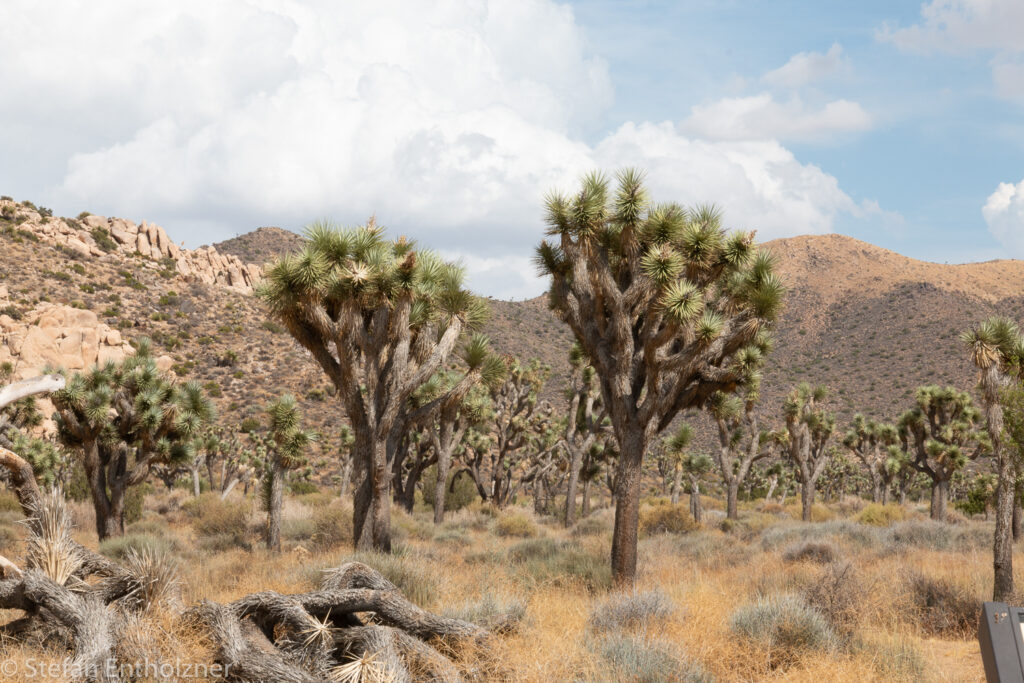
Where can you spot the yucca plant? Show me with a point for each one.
(997, 349)
(808, 430)
(380, 317)
(50, 547)
(941, 433)
(586, 422)
(125, 418)
(662, 300)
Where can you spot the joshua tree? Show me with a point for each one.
(696, 465)
(870, 441)
(808, 430)
(457, 415)
(741, 440)
(584, 423)
(345, 441)
(941, 433)
(380, 317)
(675, 452)
(997, 350)
(125, 418)
(286, 444)
(661, 300)
(515, 403)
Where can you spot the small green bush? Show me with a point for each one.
(301, 487)
(943, 608)
(811, 551)
(641, 659)
(461, 490)
(876, 514)
(515, 525)
(301, 529)
(592, 526)
(544, 560)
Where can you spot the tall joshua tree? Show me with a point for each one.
(808, 430)
(380, 317)
(286, 445)
(741, 440)
(661, 300)
(125, 418)
(583, 425)
(696, 465)
(997, 350)
(941, 433)
(870, 441)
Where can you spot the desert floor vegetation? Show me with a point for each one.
(772, 598)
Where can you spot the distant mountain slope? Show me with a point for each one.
(262, 245)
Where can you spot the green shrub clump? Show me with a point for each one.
(877, 514)
(667, 519)
(515, 525)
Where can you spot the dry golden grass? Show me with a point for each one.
(706, 575)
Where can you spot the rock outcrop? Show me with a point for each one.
(96, 235)
(55, 335)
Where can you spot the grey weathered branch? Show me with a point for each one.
(30, 387)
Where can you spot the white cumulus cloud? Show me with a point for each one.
(448, 120)
(1004, 214)
(805, 68)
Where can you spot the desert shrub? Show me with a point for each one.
(103, 239)
(515, 525)
(712, 550)
(926, 534)
(545, 560)
(849, 505)
(641, 659)
(134, 499)
(9, 502)
(453, 537)
(409, 574)
(592, 526)
(666, 519)
(212, 516)
(942, 608)
(876, 514)
(301, 487)
(297, 529)
(894, 658)
(630, 610)
(332, 526)
(12, 312)
(838, 594)
(248, 424)
(156, 526)
(119, 546)
(812, 551)
(785, 624)
(862, 536)
(221, 543)
(317, 499)
(771, 508)
(461, 490)
(495, 615)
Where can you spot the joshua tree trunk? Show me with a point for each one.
(807, 500)
(695, 507)
(195, 482)
(274, 512)
(732, 495)
(585, 507)
(346, 478)
(627, 508)
(772, 483)
(372, 511)
(677, 484)
(940, 494)
(1016, 522)
(570, 490)
(441, 486)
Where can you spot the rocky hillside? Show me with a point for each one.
(869, 323)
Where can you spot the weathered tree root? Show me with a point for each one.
(322, 628)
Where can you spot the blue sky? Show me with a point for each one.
(899, 123)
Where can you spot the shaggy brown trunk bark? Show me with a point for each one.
(274, 513)
(696, 511)
(876, 490)
(570, 489)
(371, 515)
(885, 494)
(806, 500)
(627, 509)
(677, 485)
(732, 495)
(444, 463)
(1002, 550)
(940, 494)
